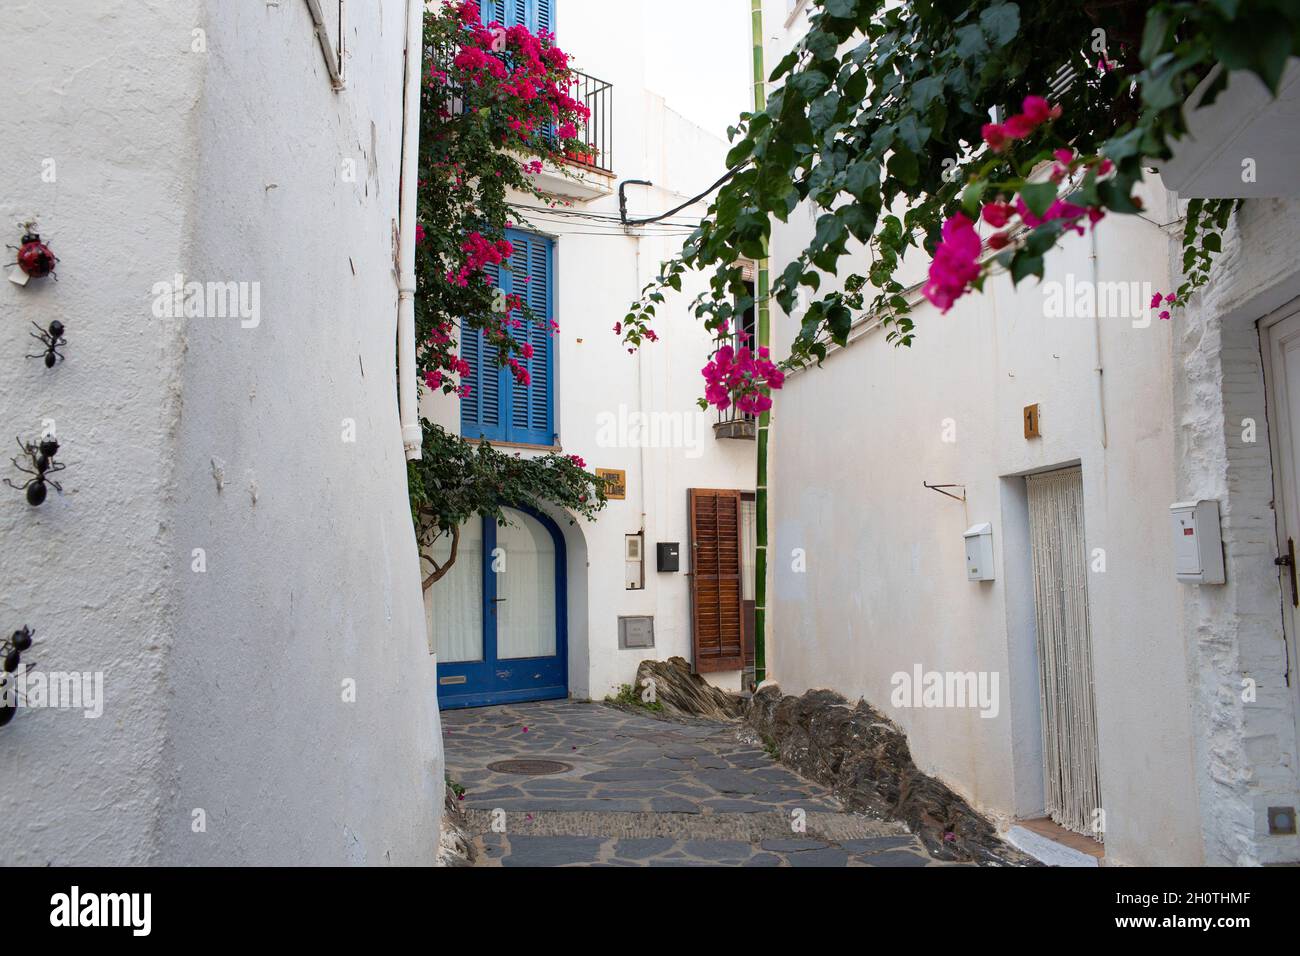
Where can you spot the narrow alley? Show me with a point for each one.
(584, 784)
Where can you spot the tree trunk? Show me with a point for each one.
(440, 571)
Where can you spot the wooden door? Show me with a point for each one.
(717, 623)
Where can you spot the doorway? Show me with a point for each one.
(1280, 341)
(499, 617)
(1058, 552)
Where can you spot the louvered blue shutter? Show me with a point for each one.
(531, 407)
(480, 413)
(545, 17)
(494, 11)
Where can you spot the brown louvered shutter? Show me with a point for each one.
(716, 621)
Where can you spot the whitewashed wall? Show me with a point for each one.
(1246, 752)
(224, 689)
(599, 276)
(885, 587)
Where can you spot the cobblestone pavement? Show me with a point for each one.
(639, 791)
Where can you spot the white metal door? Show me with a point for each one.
(1058, 550)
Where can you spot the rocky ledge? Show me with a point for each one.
(864, 758)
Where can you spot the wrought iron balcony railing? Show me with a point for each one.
(597, 133)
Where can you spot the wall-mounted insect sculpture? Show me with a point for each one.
(35, 257)
(43, 465)
(51, 339)
(12, 651)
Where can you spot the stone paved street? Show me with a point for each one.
(639, 791)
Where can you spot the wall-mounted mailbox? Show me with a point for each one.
(979, 553)
(636, 632)
(1198, 542)
(670, 556)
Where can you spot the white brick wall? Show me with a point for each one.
(1246, 751)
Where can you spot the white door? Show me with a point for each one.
(1281, 340)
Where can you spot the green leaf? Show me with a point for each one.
(1212, 242)
(1038, 196)
(904, 165)
(971, 42)
(1024, 266)
(973, 196)
(1001, 23)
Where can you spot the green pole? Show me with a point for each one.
(764, 420)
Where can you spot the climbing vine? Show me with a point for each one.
(458, 480)
(883, 122)
(496, 108)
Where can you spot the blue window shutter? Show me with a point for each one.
(498, 408)
(532, 407)
(494, 11)
(519, 13)
(545, 17)
(480, 413)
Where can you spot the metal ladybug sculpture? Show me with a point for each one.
(35, 258)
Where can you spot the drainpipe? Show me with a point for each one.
(764, 420)
(408, 391)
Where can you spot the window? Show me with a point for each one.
(537, 15)
(498, 408)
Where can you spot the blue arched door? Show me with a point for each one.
(499, 617)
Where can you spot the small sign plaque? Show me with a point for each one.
(1031, 422)
(615, 483)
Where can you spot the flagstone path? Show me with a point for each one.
(639, 791)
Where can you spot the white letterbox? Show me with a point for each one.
(979, 553)
(1198, 542)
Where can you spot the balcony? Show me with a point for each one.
(587, 172)
(736, 424)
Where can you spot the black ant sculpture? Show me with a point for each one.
(42, 459)
(12, 651)
(51, 339)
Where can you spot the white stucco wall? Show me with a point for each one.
(224, 688)
(598, 278)
(885, 587)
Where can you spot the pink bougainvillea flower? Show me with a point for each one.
(577, 460)
(1038, 111)
(996, 136)
(1019, 126)
(1171, 298)
(1165, 316)
(419, 233)
(956, 263)
(1156, 300)
(999, 240)
(996, 214)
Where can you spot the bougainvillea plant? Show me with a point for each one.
(904, 125)
(497, 106)
(457, 480)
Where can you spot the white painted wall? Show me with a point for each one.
(599, 276)
(1188, 768)
(224, 689)
(886, 589)
(1246, 751)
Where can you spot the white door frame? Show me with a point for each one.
(1276, 329)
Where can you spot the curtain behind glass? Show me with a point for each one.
(526, 618)
(456, 602)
